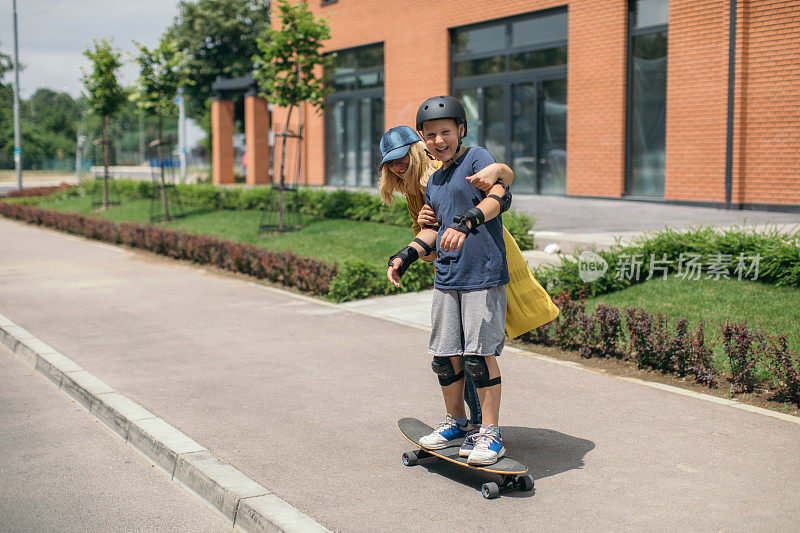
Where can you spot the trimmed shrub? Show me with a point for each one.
(356, 280)
(606, 331)
(785, 366)
(37, 191)
(736, 253)
(354, 205)
(518, 224)
(700, 357)
(569, 328)
(744, 347)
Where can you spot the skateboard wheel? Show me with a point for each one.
(490, 490)
(525, 483)
(410, 458)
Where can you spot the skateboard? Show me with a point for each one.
(513, 473)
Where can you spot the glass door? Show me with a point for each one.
(524, 125)
(552, 137)
(354, 127)
(523, 136)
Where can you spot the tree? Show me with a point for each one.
(104, 95)
(219, 39)
(287, 65)
(6, 65)
(162, 72)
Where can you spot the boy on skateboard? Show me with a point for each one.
(469, 297)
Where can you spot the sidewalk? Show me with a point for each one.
(302, 397)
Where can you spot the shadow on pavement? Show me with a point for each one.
(544, 451)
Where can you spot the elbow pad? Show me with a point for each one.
(504, 201)
(407, 256)
(473, 215)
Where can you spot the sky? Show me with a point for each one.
(54, 33)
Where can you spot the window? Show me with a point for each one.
(511, 77)
(647, 97)
(354, 119)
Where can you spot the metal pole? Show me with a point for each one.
(182, 134)
(17, 139)
(141, 138)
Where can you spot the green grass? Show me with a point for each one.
(774, 310)
(322, 239)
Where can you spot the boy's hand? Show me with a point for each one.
(392, 274)
(484, 178)
(451, 240)
(426, 217)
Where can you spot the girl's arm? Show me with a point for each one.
(488, 176)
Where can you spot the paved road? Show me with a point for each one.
(582, 215)
(61, 470)
(303, 396)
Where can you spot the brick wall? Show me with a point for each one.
(596, 98)
(697, 96)
(767, 144)
(416, 43)
(767, 121)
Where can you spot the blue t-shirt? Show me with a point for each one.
(480, 263)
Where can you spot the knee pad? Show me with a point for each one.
(475, 366)
(443, 367)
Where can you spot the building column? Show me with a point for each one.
(222, 141)
(256, 129)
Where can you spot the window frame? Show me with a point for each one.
(507, 50)
(336, 96)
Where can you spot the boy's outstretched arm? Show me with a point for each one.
(496, 201)
(424, 244)
(491, 174)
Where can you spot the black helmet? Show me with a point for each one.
(441, 107)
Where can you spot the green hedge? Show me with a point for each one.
(356, 280)
(778, 263)
(354, 205)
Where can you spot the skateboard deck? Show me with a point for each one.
(511, 471)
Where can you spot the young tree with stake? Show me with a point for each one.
(290, 68)
(105, 95)
(162, 72)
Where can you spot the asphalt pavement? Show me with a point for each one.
(302, 396)
(63, 471)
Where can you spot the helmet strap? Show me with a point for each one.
(458, 148)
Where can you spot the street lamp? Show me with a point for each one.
(17, 136)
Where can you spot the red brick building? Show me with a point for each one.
(686, 101)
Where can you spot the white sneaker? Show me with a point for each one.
(488, 447)
(448, 433)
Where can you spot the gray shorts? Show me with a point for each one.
(468, 322)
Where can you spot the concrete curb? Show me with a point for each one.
(245, 504)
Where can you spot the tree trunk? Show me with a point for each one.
(164, 201)
(105, 164)
(283, 161)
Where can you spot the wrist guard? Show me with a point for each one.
(407, 256)
(504, 201)
(473, 215)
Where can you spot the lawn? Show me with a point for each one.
(774, 310)
(329, 240)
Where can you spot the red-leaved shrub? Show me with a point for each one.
(285, 268)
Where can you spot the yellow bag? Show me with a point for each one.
(529, 306)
